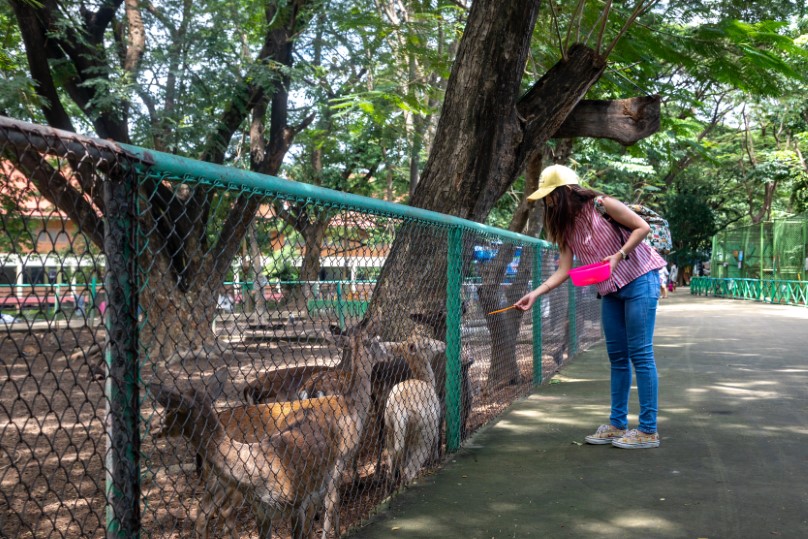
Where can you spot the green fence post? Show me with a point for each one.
(761, 255)
(538, 373)
(340, 312)
(454, 269)
(121, 388)
(573, 316)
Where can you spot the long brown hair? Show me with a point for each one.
(562, 207)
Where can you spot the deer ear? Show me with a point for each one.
(165, 396)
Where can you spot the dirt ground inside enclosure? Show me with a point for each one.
(52, 411)
(51, 435)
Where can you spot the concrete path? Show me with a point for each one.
(733, 461)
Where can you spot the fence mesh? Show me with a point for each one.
(191, 351)
(773, 250)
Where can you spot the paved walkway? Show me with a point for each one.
(733, 461)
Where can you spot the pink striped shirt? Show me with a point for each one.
(591, 244)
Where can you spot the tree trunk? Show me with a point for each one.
(176, 323)
(471, 158)
(504, 327)
(484, 136)
(313, 235)
(259, 279)
(186, 265)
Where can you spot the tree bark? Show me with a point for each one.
(471, 161)
(623, 120)
(485, 135)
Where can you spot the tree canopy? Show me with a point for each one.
(449, 105)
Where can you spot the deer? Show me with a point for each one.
(434, 323)
(247, 424)
(412, 413)
(305, 382)
(282, 384)
(292, 383)
(289, 474)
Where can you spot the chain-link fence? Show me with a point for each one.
(763, 262)
(772, 251)
(193, 350)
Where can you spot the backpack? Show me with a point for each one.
(659, 238)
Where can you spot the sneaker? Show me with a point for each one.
(604, 435)
(637, 439)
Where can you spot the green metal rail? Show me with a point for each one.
(768, 291)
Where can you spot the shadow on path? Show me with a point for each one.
(733, 461)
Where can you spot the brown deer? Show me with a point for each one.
(289, 474)
(282, 384)
(246, 424)
(317, 381)
(412, 413)
(290, 383)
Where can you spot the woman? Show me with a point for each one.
(575, 219)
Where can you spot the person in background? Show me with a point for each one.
(674, 275)
(663, 282)
(575, 220)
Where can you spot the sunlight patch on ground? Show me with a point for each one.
(750, 384)
(788, 312)
(678, 410)
(639, 524)
(792, 429)
(548, 419)
(726, 306)
(568, 379)
(695, 307)
(671, 332)
(510, 426)
(734, 354)
(505, 507)
(744, 393)
(677, 345)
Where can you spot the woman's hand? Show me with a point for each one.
(613, 261)
(527, 301)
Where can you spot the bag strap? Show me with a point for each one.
(620, 229)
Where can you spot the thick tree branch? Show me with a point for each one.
(52, 184)
(33, 30)
(623, 120)
(137, 37)
(98, 22)
(546, 106)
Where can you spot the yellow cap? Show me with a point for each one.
(552, 177)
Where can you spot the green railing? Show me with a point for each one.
(781, 292)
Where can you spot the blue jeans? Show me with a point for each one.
(628, 317)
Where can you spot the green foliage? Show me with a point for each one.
(17, 95)
(692, 222)
(373, 79)
(280, 266)
(733, 118)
